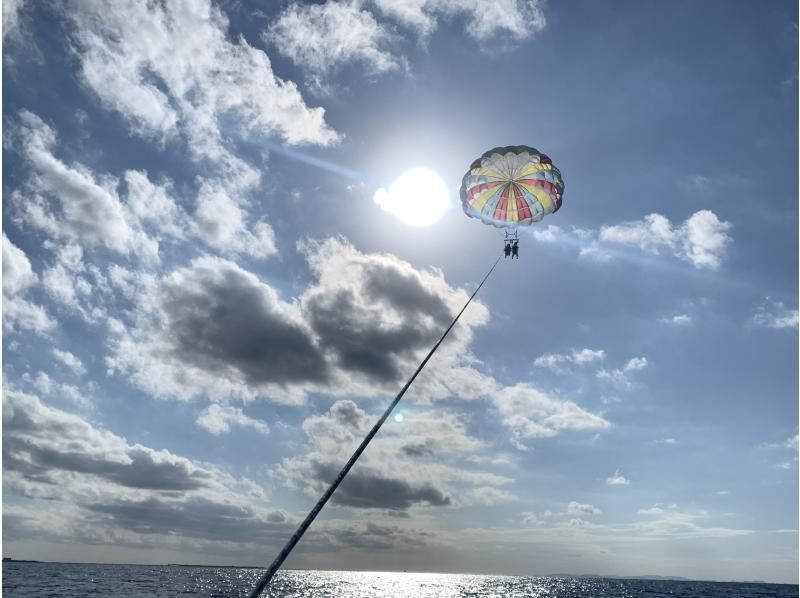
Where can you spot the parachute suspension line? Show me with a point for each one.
(276, 564)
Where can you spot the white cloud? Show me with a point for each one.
(635, 363)
(48, 387)
(171, 68)
(218, 419)
(489, 496)
(69, 360)
(700, 240)
(153, 204)
(18, 274)
(530, 518)
(774, 314)
(18, 277)
(70, 203)
(617, 480)
(320, 37)
(530, 413)
(665, 441)
(547, 235)
(678, 320)
(555, 361)
(221, 223)
(576, 508)
(620, 377)
(519, 19)
(11, 10)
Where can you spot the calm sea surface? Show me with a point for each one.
(127, 581)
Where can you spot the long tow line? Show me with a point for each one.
(276, 564)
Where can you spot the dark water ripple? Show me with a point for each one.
(34, 580)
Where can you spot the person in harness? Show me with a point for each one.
(515, 250)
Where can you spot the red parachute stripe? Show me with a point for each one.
(546, 185)
(482, 187)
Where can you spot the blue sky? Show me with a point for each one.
(204, 308)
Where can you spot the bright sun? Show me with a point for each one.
(418, 197)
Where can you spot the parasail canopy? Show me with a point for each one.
(511, 186)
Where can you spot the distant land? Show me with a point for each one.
(572, 575)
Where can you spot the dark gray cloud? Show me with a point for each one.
(39, 442)
(359, 327)
(405, 292)
(364, 489)
(221, 318)
(195, 517)
(426, 448)
(373, 536)
(361, 339)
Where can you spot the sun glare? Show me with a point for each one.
(418, 197)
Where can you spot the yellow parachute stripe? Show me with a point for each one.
(488, 172)
(532, 169)
(543, 196)
(479, 202)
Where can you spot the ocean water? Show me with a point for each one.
(32, 580)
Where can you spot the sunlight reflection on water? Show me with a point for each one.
(128, 581)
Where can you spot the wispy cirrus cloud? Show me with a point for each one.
(556, 361)
(321, 37)
(218, 419)
(678, 320)
(621, 376)
(530, 413)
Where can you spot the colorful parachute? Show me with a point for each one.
(511, 186)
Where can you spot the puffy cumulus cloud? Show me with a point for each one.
(576, 508)
(170, 68)
(154, 204)
(412, 463)
(85, 208)
(18, 276)
(131, 216)
(213, 328)
(556, 361)
(218, 420)
(69, 202)
(621, 376)
(617, 480)
(530, 413)
(221, 222)
(320, 37)
(774, 314)
(109, 491)
(701, 239)
(518, 19)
